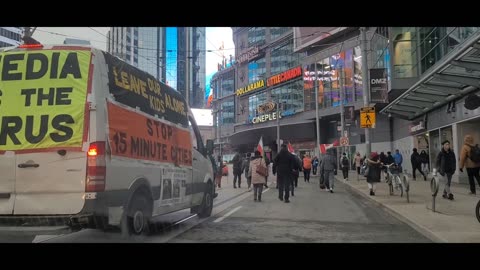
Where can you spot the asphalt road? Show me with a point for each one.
(312, 215)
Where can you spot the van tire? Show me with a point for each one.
(136, 219)
(207, 204)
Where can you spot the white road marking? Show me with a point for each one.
(265, 190)
(227, 214)
(43, 238)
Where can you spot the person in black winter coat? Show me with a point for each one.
(416, 164)
(425, 161)
(284, 164)
(446, 165)
(237, 170)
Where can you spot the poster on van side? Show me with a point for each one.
(174, 186)
(136, 88)
(43, 99)
(140, 136)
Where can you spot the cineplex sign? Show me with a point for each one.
(272, 81)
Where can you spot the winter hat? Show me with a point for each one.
(446, 141)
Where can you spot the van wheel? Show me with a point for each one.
(207, 203)
(136, 220)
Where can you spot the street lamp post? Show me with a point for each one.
(366, 96)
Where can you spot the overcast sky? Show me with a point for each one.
(97, 37)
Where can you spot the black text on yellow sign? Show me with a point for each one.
(43, 99)
(367, 117)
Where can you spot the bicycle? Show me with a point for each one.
(393, 178)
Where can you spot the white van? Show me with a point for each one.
(92, 140)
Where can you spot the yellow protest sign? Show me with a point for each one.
(367, 117)
(42, 99)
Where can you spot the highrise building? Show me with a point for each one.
(174, 55)
(10, 36)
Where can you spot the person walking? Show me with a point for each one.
(470, 159)
(297, 170)
(374, 172)
(446, 165)
(314, 165)
(328, 167)
(283, 165)
(398, 158)
(416, 164)
(237, 170)
(345, 164)
(218, 176)
(425, 160)
(246, 169)
(267, 161)
(257, 179)
(358, 162)
(389, 159)
(307, 167)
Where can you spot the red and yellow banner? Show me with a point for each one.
(138, 136)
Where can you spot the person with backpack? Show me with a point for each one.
(246, 168)
(416, 164)
(470, 159)
(345, 163)
(258, 180)
(374, 169)
(446, 165)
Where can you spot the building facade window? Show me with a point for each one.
(405, 52)
(309, 83)
(253, 102)
(283, 58)
(256, 70)
(357, 74)
(256, 36)
(228, 111)
(291, 95)
(228, 86)
(276, 32)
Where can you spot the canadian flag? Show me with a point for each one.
(324, 147)
(290, 148)
(260, 146)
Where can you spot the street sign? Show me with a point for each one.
(344, 141)
(367, 117)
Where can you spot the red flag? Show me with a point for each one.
(324, 147)
(290, 148)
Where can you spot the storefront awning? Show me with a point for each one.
(454, 77)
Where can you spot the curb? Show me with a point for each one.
(417, 227)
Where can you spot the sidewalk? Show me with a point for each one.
(452, 221)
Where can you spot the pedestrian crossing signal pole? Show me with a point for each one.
(366, 94)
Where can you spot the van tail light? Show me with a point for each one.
(96, 170)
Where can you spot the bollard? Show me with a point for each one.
(434, 188)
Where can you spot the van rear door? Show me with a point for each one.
(7, 182)
(48, 183)
(44, 120)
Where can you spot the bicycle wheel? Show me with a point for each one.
(406, 184)
(399, 182)
(477, 211)
(390, 185)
